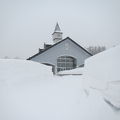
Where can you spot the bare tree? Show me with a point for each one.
(96, 49)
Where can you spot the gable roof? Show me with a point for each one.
(57, 44)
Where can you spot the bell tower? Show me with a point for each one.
(57, 34)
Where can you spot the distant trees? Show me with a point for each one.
(6, 57)
(96, 49)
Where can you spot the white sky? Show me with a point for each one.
(26, 24)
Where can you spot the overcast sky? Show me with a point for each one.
(26, 24)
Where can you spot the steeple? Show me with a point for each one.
(57, 28)
(57, 35)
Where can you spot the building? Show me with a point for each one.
(64, 54)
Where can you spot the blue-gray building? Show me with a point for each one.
(64, 54)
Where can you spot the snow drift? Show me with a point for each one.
(29, 91)
(76, 71)
(102, 72)
(22, 69)
(104, 67)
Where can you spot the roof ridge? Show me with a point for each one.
(58, 43)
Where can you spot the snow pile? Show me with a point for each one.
(76, 71)
(112, 94)
(102, 72)
(22, 69)
(29, 91)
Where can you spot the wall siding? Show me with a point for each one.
(65, 48)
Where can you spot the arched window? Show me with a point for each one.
(65, 63)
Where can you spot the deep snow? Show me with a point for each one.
(103, 67)
(29, 91)
(102, 72)
(76, 71)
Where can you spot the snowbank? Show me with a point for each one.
(11, 69)
(102, 72)
(29, 91)
(76, 71)
(103, 67)
(112, 94)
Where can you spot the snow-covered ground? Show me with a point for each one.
(102, 72)
(103, 67)
(29, 91)
(76, 71)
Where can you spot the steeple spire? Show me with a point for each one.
(57, 28)
(57, 35)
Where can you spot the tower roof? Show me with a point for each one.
(57, 28)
